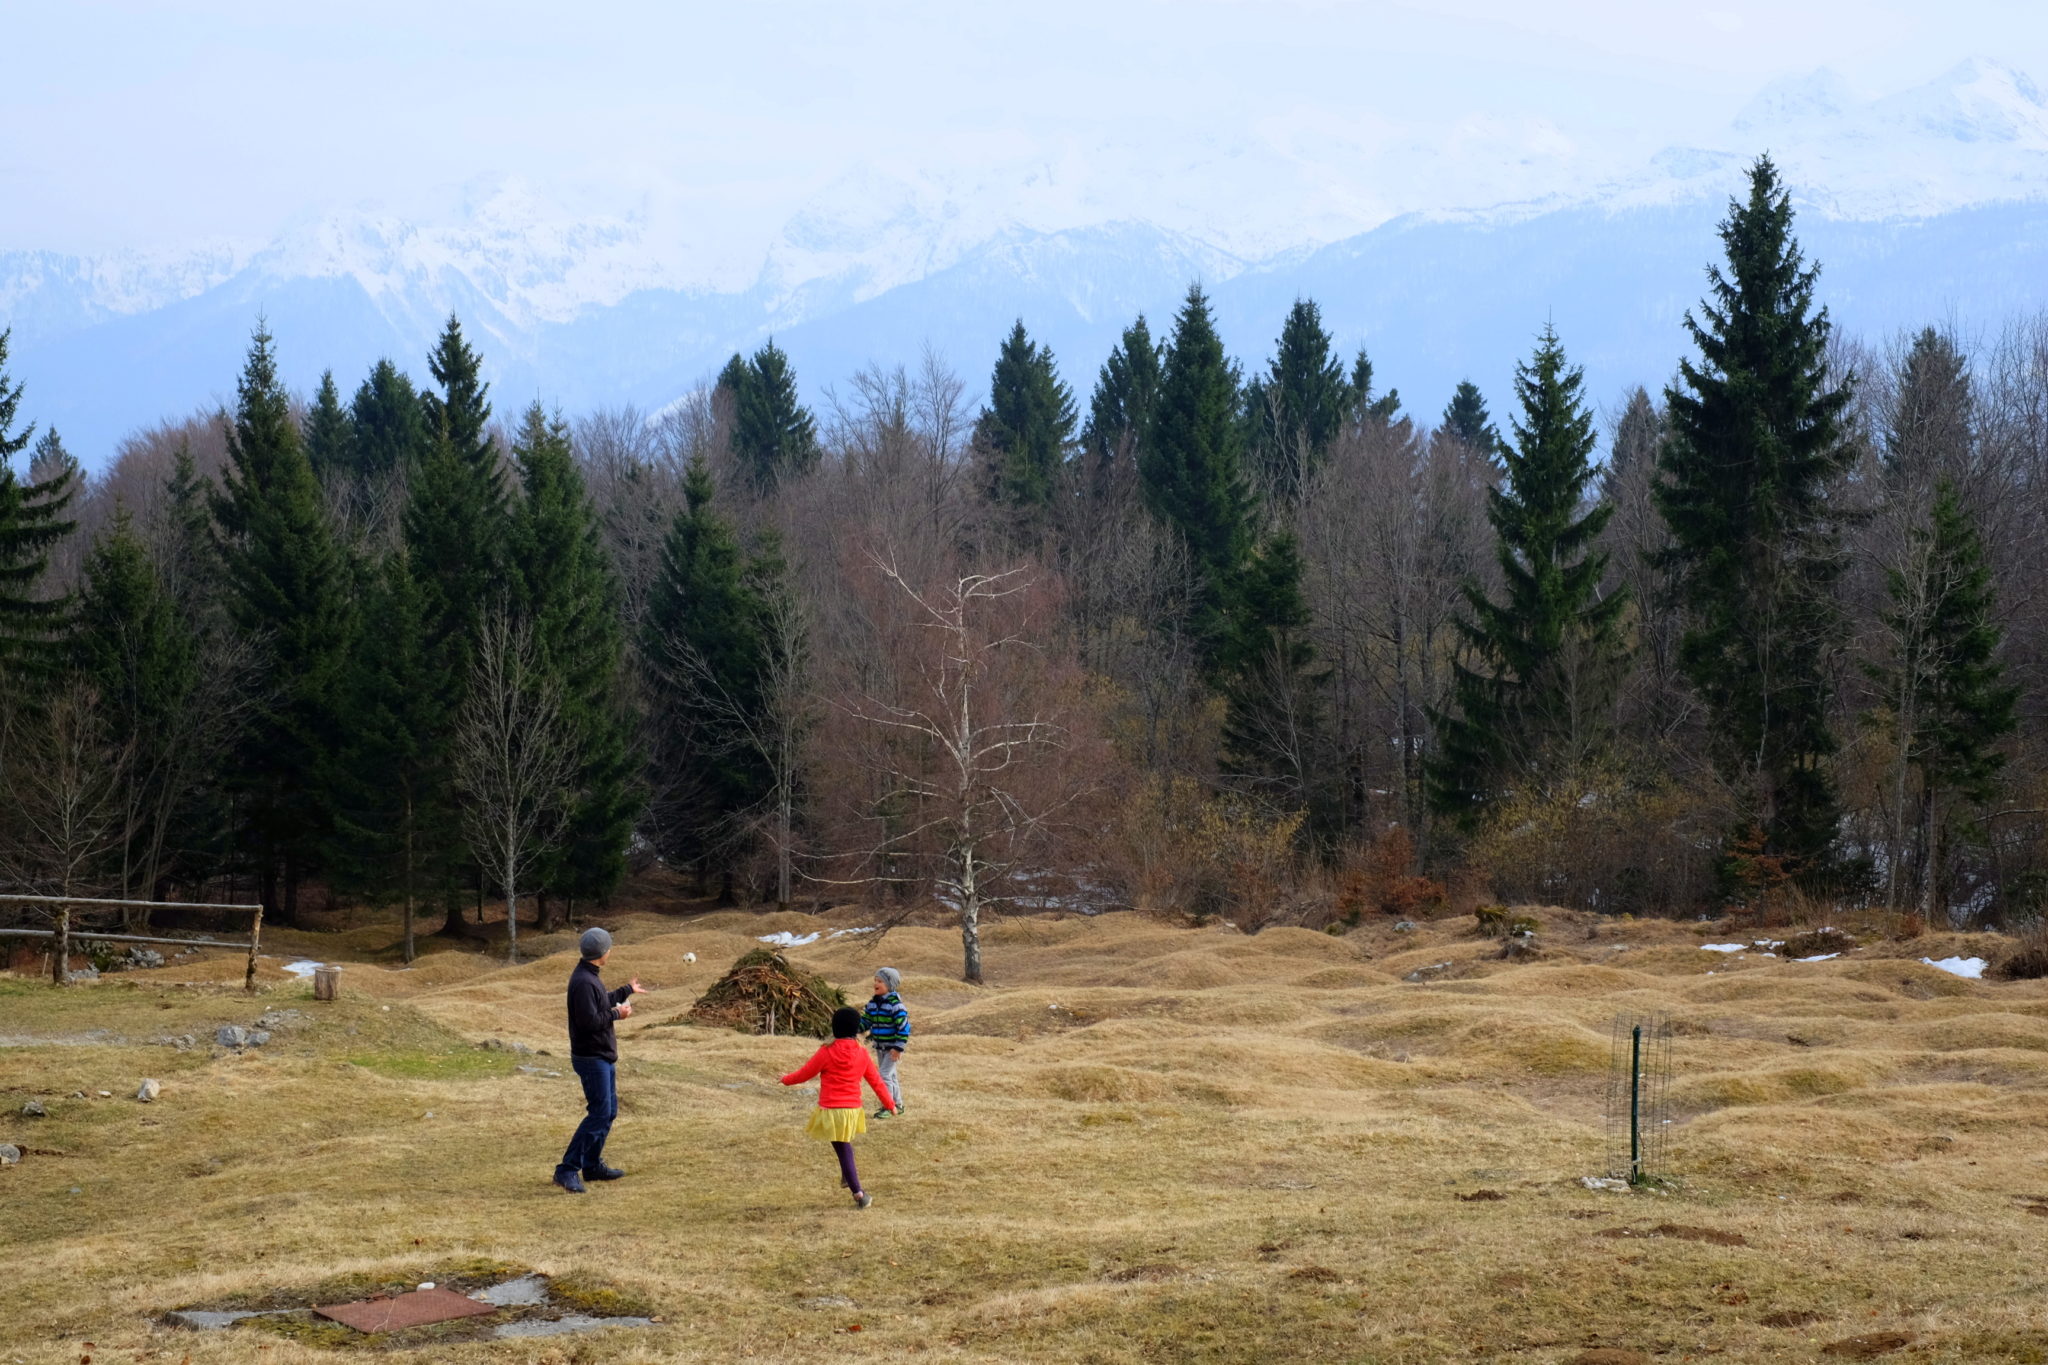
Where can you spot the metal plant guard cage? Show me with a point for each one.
(1638, 1103)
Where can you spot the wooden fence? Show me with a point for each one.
(60, 959)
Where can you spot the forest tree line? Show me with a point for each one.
(1253, 641)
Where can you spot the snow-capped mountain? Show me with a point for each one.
(1976, 135)
(1923, 205)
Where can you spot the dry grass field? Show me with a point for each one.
(1139, 1143)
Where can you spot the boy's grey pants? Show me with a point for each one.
(885, 1062)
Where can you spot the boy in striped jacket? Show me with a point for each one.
(887, 1025)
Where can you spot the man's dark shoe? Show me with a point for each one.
(602, 1173)
(569, 1181)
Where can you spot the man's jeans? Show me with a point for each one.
(601, 1094)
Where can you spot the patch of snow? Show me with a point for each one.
(555, 1327)
(1823, 957)
(210, 1320)
(1723, 947)
(303, 967)
(1971, 967)
(783, 938)
(526, 1291)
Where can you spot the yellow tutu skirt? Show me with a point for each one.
(837, 1125)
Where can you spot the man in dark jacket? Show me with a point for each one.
(594, 1053)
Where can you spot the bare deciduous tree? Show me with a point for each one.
(64, 814)
(975, 742)
(514, 756)
(774, 728)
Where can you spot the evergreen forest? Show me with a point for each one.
(1241, 637)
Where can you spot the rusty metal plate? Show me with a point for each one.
(416, 1309)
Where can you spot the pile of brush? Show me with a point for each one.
(764, 993)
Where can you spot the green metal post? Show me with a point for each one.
(1635, 1106)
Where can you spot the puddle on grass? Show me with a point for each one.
(555, 1327)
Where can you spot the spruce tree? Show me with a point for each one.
(455, 530)
(1944, 685)
(1120, 409)
(193, 578)
(1027, 426)
(1539, 704)
(1930, 434)
(1754, 441)
(1465, 418)
(394, 811)
(1298, 408)
(705, 644)
(1272, 689)
(456, 519)
(191, 567)
(773, 435)
(330, 441)
(31, 523)
(389, 424)
(288, 590)
(1638, 439)
(1191, 470)
(569, 594)
(1637, 540)
(140, 656)
(1364, 406)
(734, 376)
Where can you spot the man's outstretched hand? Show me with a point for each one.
(638, 989)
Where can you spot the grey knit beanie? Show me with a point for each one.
(595, 943)
(890, 978)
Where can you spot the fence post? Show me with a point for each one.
(1635, 1106)
(255, 937)
(60, 955)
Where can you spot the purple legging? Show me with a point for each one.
(848, 1176)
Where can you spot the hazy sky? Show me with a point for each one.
(157, 124)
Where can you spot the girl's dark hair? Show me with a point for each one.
(845, 1022)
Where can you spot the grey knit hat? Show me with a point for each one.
(595, 943)
(890, 978)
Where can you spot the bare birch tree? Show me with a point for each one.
(969, 741)
(514, 756)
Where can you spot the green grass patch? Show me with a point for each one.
(308, 1329)
(463, 1276)
(601, 1298)
(413, 1064)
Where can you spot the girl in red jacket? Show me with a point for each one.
(839, 1117)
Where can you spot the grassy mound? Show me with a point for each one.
(764, 993)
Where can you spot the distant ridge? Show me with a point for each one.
(1926, 205)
